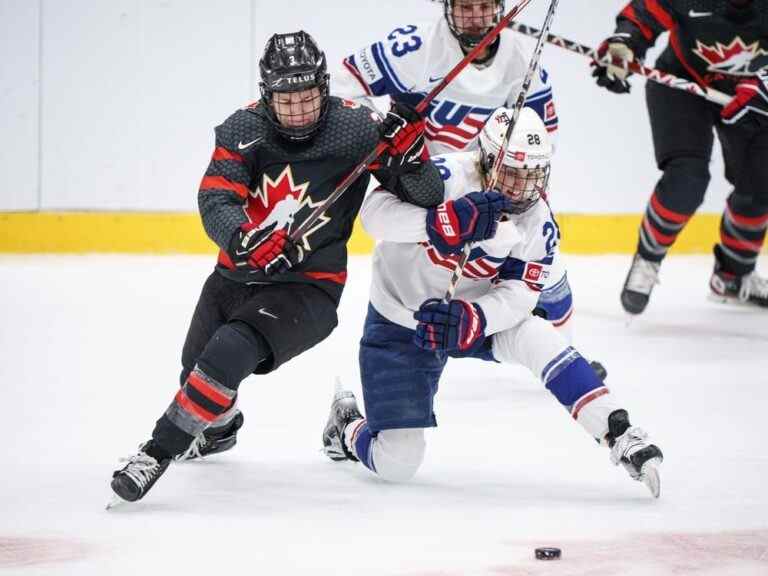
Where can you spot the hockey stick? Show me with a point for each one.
(649, 73)
(420, 108)
(499, 160)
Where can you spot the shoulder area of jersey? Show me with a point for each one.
(244, 125)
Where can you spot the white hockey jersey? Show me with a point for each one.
(504, 275)
(414, 59)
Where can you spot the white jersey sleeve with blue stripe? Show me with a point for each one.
(414, 58)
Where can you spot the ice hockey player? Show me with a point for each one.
(490, 318)
(413, 59)
(270, 298)
(723, 45)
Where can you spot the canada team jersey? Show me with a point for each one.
(414, 59)
(504, 275)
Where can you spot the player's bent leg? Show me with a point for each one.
(574, 383)
(210, 391)
(396, 455)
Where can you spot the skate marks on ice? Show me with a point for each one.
(18, 552)
(733, 553)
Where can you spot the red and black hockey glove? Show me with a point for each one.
(609, 76)
(403, 130)
(455, 326)
(264, 250)
(471, 218)
(751, 96)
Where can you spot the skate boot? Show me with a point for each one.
(643, 275)
(630, 448)
(214, 440)
(133, 481)
(747, 290)
(343, 412)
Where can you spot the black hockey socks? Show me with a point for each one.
(742, 234)
(234, 352)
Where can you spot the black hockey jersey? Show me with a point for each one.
(712, 42)
(257, 177)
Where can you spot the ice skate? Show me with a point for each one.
(214, 440)
(748, 290)
(343, 411)
(643, 275)
(138, 476)
(630, 448)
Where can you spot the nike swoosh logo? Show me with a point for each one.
(265, 313)
(241, 146)
(694, 14)
(436, 79)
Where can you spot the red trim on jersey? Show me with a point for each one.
(666, 213)
(662, 16)
(188, 406)
(208, 391)
(225, 260)
(587, 399)
(737, 244)
(662, 239)
(337, 277)
(745, 221)
(221, 153)
(221, 183)
(630, 14)
(356, 73)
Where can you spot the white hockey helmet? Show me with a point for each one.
(524, 173)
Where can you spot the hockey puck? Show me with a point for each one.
(548, 553)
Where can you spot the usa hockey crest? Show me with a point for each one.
(276, 203)
(733, 59)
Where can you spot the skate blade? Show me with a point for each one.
(649, 475)
(115, 502)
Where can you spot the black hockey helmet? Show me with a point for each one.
(291, 63)
(472, 38)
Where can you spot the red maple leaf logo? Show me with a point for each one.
(276, 203)
(733, 58)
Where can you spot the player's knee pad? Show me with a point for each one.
(397, 454)
(533, 343)
(684, 183)
(234, 352)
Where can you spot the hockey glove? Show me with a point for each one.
(609, 76)
(403, 131)
(751, 96)
(450, 326)
(471, 218)
(266, 251)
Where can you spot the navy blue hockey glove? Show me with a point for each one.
(403, 131)
(610, 77)
(751, 96)
(471, 218)
(264, 250)
(450, 326)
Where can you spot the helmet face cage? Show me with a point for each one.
(523, 185)
(471, 20)
(294, 85)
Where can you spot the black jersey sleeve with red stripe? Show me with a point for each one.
(642, 21)
(224, 188)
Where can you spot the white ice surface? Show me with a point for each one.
(89, 357)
